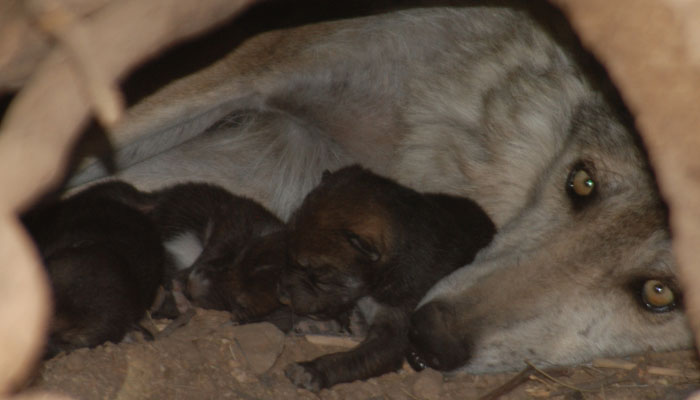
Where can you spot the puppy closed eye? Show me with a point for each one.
(325, 276)
(363, 246)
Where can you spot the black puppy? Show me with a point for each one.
(243, 247)
(105, 262)
(226, 250)
(359, 238)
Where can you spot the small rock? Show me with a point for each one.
(73, 363)
(259, 345)
(241, 376)
(406, 368)
(428, 385)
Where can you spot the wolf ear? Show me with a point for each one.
(363, 246)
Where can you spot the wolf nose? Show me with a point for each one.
(433, 343)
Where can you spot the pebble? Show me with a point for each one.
(72, 364)
(428, 385)
(241, 376)
(259, 344)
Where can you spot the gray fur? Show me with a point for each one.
(479, 102)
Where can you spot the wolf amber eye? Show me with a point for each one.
(581, 183)
(657, 296)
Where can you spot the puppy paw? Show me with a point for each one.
(305, 376)
(238, 315)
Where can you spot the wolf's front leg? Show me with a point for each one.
(381, 352)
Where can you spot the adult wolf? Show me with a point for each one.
(492, 102)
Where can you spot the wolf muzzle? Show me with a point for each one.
(433, 342)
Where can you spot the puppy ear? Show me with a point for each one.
(363, 246)
(326, 174)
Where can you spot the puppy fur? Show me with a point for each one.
(363, 239)
(105, 262)
(227, 250)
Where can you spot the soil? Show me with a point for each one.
(212, 358)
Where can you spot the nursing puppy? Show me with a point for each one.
(361, 239)
(244, 284)
(105, 262)
(226, 250)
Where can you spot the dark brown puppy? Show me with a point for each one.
(226, 250)
(244, 283)
(362, 239)
(104, 260)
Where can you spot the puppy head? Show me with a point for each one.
(245, 283)
(339, 238)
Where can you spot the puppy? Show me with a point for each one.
(362, 239)
(227, 251)
(105, 262)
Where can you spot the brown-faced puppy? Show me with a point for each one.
(363, 239)
(104, 260)
(226, 250)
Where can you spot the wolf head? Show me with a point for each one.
(581, 266)
(584, 268)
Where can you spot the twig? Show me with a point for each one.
(158, 301)
(693, 375)
(510, 385)
(595, 386)
(52, 100)
(614, 364)
(182, 320)
(324, 340)
(409, 394)
(557, 381)
(541, 380)
(22, 46)
(628, 366)
(148, 325)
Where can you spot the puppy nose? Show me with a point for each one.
(283, 295)
(197, 285)
(433, 340)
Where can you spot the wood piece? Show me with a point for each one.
(689, 374)
(104, 95)
(182, 320)
(614, 364)
(522, 377)
(43, 120)
(336, 341)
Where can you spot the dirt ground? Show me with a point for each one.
(211, 358)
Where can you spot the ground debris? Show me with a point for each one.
(259, 344)
(211, 357)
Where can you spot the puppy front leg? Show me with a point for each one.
(381, 352)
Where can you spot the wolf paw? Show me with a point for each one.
(305, 376)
